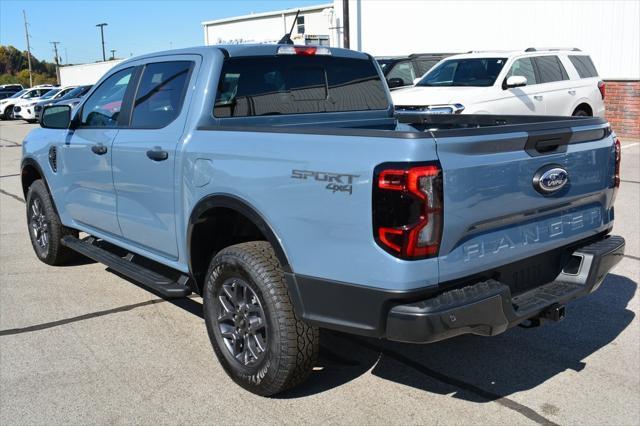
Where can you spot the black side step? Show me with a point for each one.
(164, 286)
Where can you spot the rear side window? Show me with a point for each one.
(260, 86)
(160, 94)
(550, 69)
(584, 66)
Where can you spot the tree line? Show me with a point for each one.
(14, 68)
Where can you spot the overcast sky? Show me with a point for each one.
(134, 27)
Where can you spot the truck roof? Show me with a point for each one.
(239, 50)
(514, 53)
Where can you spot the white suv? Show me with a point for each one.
(558, 82)
(6, 105)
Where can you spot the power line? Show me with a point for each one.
(26, 32)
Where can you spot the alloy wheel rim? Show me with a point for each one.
(241, 322)
(39, 225)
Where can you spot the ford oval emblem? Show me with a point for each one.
(550, 179)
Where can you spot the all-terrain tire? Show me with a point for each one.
(291, 345)
(40, 209)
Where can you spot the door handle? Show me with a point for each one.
(99, 149)
(538, 97)
(572, 92)
(156, 154)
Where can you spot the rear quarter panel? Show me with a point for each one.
(324, 233)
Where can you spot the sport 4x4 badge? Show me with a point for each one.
(336, 182)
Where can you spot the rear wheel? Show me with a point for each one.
(581, 113)
(257, 337)
(45, 229)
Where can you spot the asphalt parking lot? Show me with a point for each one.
(81, 345)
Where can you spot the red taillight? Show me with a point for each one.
(618, 148)
(616, 174)
(408, 210)
(602, 87)
(305, 51)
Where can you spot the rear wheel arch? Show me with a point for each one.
(583, 106)
(229, 220)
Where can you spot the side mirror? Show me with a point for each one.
(516, 81)
(395, 82)
(56, 117)
(416, 80)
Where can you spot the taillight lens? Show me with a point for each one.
(303, 50)
(618, 148)
(407, 209)
(616, 176)
(602, 87)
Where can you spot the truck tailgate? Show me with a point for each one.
(495, 210)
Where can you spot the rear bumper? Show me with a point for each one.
(487, 308)
(476, 305)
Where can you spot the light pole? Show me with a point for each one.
(113, 54)
(104, 57)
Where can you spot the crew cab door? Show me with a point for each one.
(144, 155)
(525, 100)
(86, 156)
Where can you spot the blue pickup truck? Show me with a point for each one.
(277, 182)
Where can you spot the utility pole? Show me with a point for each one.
(26, 31)
(113, 54)
(345, 24)
(57, 60)
(104, 57)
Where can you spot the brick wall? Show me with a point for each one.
(622, 103)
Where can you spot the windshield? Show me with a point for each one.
(50, 94)
(18, 94)
(76, 93)
(478, 72)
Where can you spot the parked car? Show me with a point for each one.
(401, 71)
(8, 90)
(536, 82)
(295, 200)
(72, 98)
(26, 109)
(6, 105)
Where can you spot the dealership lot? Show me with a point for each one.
(80, 344)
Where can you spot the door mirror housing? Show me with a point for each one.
(516, 81)
(56, 117)
(395, 82)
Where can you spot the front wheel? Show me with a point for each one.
(8, 113)
(260, 342)
(45, 229)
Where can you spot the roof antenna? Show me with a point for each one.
(287, 37)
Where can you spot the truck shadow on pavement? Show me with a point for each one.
(473, 368)
(481, 369)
